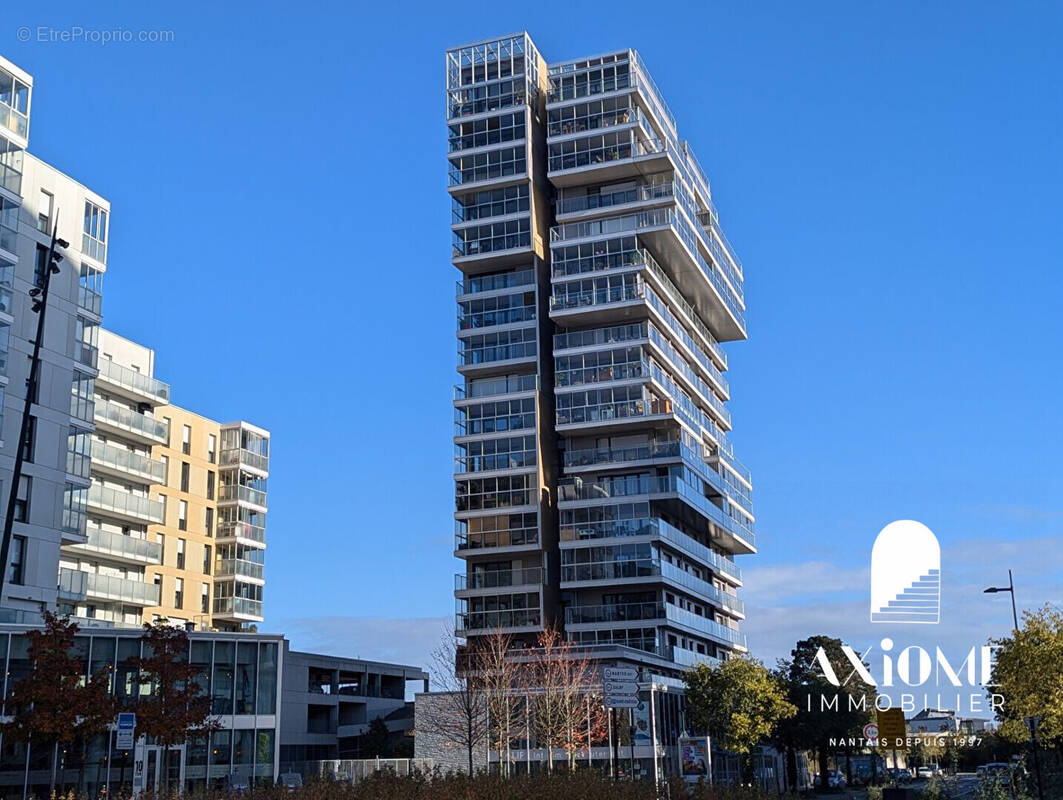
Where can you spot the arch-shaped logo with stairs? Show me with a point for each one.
(906, 574)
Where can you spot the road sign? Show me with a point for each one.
(620, 687)
(620, 674)
(127, 725)
(870, 732)
(892, 731)
(621, 701)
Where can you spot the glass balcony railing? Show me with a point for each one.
(519, 537)
(72, 584)
(690, 658)
(597, 297)
(622, 528)
(681, 616)
(242, 606)
(590, 202)
(637, 612)
(494, 620)
(499, 352)
(109, 412)
(498, 578)
(495, 387)
(120, 458)
(145, 385)
(702, 588)
(239, 567)
(594, 375)
(488, 283)
(249, 458)
(574, 489)
(242, 530)
(126, 504)
(85, 353)
(110, 587)
(234, 492)
(122, 546)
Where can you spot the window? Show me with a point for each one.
(180, 553)
(184, 476)
(204, 604)
(158, 579)
(22, 499)
(162, 499)
(210, 485)
(44, 212)
(165, 469)
(31, 438)
(206, 559)
(178, 593)
(94, 232)
(186, 439)
(169, 428)
(15, 573)
(208, 521)
(182, 515)
(212, 446)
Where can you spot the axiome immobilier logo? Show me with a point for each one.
(906, 574)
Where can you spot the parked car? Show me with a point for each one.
(900, 775)
(925, 772)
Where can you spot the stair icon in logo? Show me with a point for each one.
(906, 575)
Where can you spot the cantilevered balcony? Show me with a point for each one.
(244, 458)
(578, 617)
(736, 535)
(238, 609)
(646, 529)
(117, 419)
(122, 590)
(121, 462)
(125, 505)
(240, 569)
(233, 492)
(479, 581)
(674, 240)
(521, 620)
(241, 533)
(649, 571)
(129, 383)
(119, 547)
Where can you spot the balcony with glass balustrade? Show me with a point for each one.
(130, 383)
(118, 547)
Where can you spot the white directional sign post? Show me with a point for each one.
(620, 687)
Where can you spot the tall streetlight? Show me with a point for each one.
(39, 295)
(1010, 589)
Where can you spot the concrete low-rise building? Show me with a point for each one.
(329, 702)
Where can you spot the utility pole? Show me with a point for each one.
(39, 294)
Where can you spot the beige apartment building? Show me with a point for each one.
(176, 507)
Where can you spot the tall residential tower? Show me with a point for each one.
(596, 488)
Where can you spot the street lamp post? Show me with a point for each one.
(39, 295)
(1010, 589)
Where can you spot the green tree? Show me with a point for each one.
(815, 724)
(174, 706)
(1028, 673)
(55, 704)
(738, 703)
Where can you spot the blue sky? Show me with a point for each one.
(889, 174)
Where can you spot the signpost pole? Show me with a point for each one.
(612, 743)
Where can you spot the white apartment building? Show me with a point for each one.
(53, 492)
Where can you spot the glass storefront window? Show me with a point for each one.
(245, 683)
(222, 683)
(267, 678)
(220, 753)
